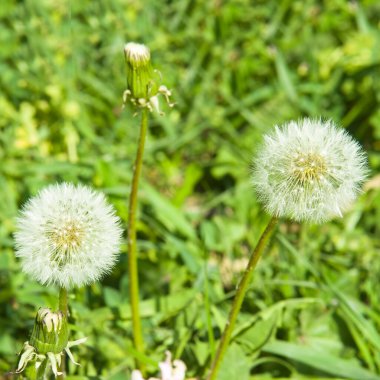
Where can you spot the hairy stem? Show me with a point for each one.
(132, 248)
(239, 297)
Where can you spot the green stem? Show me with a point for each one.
(239, 297)
(132, 249)
(63, 304)
(63, 307)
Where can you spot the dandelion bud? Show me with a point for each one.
(48, 342)
(50, 332)
(308, 171)
(67, 235)
(140, 75)
(144, 83)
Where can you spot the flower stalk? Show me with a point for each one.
(132, 246)
(63, 302)
(239, 297)
(63, 307)
(144, 86)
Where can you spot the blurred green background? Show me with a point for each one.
(236, 68)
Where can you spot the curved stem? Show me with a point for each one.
(132, 249)
(63, 307)
(239, 297)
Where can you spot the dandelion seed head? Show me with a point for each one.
(67, 235)
(308, 171)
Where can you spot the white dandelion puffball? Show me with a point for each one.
(308, 171)
(67, 235)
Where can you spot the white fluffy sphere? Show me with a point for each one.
(67, 235)
(308, 170)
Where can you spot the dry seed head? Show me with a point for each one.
(308, 171)
(67, 235)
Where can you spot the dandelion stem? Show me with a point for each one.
(132, 248)
(239, 297)
(63, 301)
(63, 307)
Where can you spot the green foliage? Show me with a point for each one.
(236, 69)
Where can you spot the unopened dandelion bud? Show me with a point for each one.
(309, 171)
(140, 74)
(48, 342)
(50, 332)
(144, 83)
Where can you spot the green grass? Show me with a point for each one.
(236, 68)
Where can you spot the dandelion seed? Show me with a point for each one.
(309, 171)
(56, 228)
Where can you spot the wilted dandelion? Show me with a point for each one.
(308, 171)
(67, 235)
